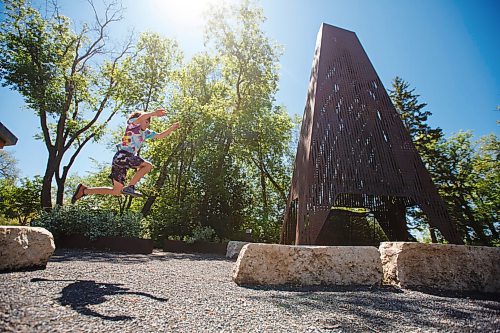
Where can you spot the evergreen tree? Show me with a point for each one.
(415, 117)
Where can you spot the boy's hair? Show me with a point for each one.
(135, 114)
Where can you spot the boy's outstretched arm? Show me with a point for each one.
(168, 131)
(159, 112)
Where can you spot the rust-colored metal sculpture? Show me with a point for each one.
(354, 150)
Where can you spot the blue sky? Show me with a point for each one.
(447, 50)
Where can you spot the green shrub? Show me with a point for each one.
(201, 233)
(93, 223)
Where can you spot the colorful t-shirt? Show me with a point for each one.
(134, 137)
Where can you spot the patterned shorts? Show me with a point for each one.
(122, 161)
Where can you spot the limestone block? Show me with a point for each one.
(24, 248)
(441, 266)
(234, 248)
(272, 264)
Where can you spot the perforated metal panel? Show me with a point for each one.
(354, 150)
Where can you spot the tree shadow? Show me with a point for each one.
(81, 294)
(365, 309)
(303, 289)
(380, 308)
(64, 255)
(194, 256)
(475, 295)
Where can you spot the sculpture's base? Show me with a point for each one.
(403, 264)
(272, 264)
(441, 266)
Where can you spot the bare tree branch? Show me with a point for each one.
(111, 85)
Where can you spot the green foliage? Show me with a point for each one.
(467, 176)
(20, 202)
(170, 221)
(486, 195)
(93, 223)
(150, 71)
(201, 233)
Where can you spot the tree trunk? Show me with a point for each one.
(121, 204)
(263, 170)
(187, 171)
(433, 235)
(263, 183)
(179, 179)
(264, 191)
(60, 192)
(46, 193)
(61, 181)
(129, 202)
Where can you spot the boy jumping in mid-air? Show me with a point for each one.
(126, 157)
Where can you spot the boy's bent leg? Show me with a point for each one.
(115, 190)
(142, 170)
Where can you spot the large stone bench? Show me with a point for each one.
(233, 249)
(441, 266)
(24, 248)
(272, 264)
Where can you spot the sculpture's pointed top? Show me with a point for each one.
(326, 26)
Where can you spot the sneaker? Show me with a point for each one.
(79, 192)
(130, 190)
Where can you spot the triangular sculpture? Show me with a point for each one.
(354, 150)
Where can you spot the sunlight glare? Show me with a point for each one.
(184, 14)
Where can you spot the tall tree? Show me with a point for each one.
(69, 79)
(249, 64)
(249, 67)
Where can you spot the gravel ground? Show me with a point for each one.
(85, 291)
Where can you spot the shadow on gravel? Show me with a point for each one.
(81, 294)
(462, 294)
(382, 289)
(192, 256)
(374, 308)
(320, 288)
(62, 255)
